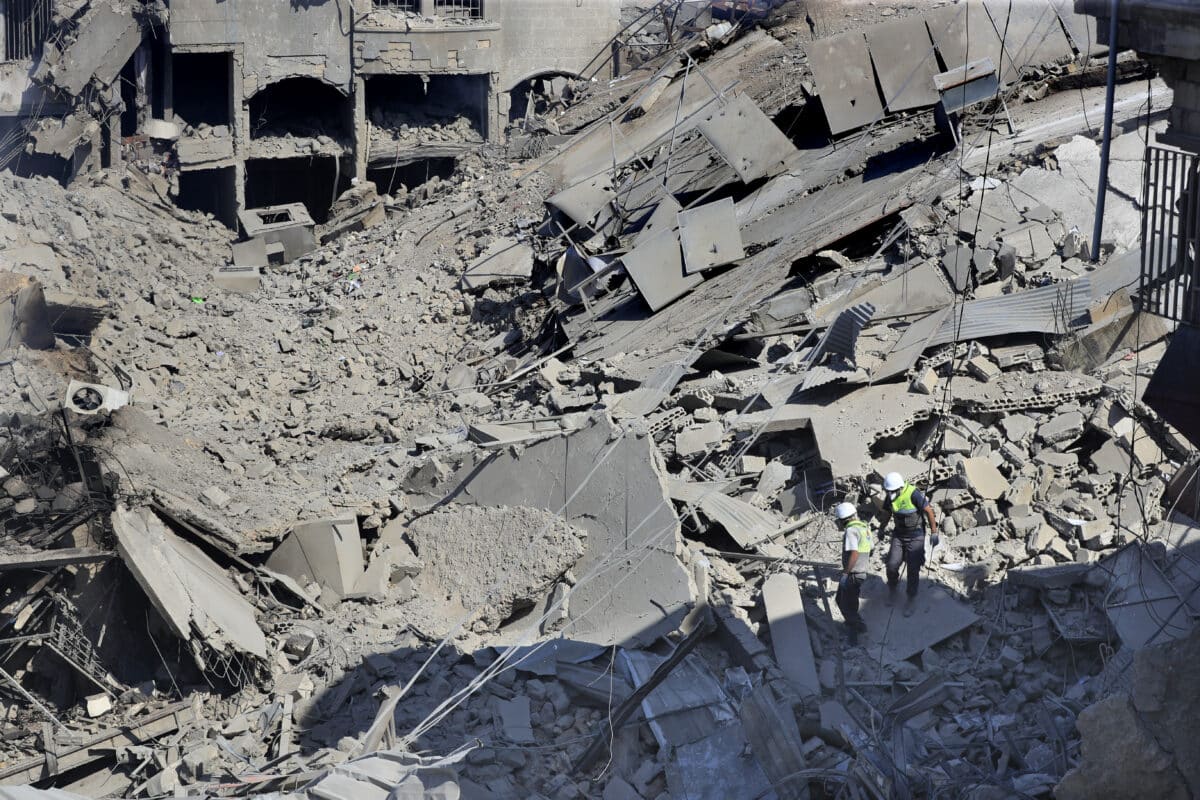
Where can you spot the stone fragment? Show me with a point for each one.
(215, 497)
(983, 368)
(983, 478)
(97, 705)
(925, 381)
(698, 438)
(1062, 428)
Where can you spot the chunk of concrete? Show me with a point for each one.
(505, 261)
(789, 632)
(327, 552)
(925, 381)
(1065, 427)
(193, 595)
(983, 368)
(698, 438)
(97, 705)
(239, 280)
(983, 478)
(512, 718)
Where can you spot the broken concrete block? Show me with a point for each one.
(983, 478)
(983, 368)
(773, 478)
(1040, 539)
(240, 280)
(1017, 427)
(97, 705)
(513, 719)
(698, 439)
(327, 552)
(1062, 428)
(1111, 457)
(216, 497)
(1073, 245)
(925, 381)
(299, 643)
(751, 465)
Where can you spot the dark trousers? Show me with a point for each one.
(847, 599)
(908, 550)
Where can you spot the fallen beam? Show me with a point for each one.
(53, 558)
(172, 718)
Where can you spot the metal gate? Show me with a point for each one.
(1171, 235)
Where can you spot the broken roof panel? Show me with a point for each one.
(746, 138)
(587, 203)
(747, 525)
(710, 236)
(656, 267)
(841, 67)
(1031, 31)
(505, 261)
(963, 33)
(192, 594)
(905, 63)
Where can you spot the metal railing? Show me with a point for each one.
(458, 9)
(410, 6)
(1170, 279)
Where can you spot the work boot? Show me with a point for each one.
(859, 626)
(910, 605)
(851, 636)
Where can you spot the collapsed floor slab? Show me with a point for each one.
(610, 483)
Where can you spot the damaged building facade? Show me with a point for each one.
(256, 103)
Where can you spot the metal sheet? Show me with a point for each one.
(746, 138)
(1081, 29)
(588, 203)
(1031, 31)
(964, 33)
(841, 67)
(710, 236)
(904, 61)
(656, 267)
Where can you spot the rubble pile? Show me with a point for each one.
(519, 484)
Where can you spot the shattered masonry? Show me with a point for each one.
(447, 398)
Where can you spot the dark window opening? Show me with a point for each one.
(540, 95)
(411, 6)
(390, 180)
(210, 191)
(26, 23)
(201, 87)
(458, 9)
(274, 217)
(129, 110)
(300, 107)
(404, 107)
(316, 182)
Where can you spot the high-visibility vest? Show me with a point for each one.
(904, 510)
(903, 503)
(864, 535)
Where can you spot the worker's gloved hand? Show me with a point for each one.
(843, 580)
(935, 540)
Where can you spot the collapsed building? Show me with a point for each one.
(521, 487)
(247, 105)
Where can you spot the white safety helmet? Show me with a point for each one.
(844, 511)
(893, 482)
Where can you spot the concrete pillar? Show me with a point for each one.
(426, 7)
(362, 133)
(495, 126)
(168, 83)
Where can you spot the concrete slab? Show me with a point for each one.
(1032, 33)
(905, 63)
(893, 636)
(841, 67)
(710, 236)
(656, 267)
(789, 632)
(748, 141)
(983, 478)
(250, 253)
(611, 483)
(749, 526)
(191, 593)
(714, 768)
(505, 261)
(328, 552)
(963, 33)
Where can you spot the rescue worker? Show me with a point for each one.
(856, 559)
(911, 510)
